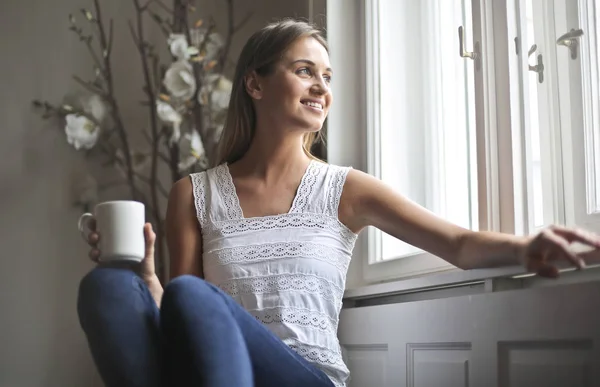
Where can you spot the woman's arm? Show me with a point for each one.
(184, 239)
(372, 203)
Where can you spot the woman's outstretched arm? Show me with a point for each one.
(372, 203)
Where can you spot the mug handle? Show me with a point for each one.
(83, 219)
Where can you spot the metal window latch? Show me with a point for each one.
(539, 67)
(474, 55)
(570, 40)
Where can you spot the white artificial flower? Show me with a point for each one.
(81, 131)
(194, 154)
(218, 88)
(169, 115)
(180, 81)
(216, 134)
(95, 106)
(179, 46)
(213, 43)
(196, 146)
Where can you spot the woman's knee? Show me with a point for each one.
(186, 286)
(101, 280)
(102, 287)
(190, 292)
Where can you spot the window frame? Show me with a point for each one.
(500, 121)
(494, 171)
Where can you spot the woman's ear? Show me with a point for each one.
(253, 85)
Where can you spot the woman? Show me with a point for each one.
(274, 229)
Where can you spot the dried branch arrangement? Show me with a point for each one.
(186, 101)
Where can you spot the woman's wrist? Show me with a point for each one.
(151, 280)
(155, 288)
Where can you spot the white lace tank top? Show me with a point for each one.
(288, 270)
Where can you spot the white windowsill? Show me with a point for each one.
(516, 275)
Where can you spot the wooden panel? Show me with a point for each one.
(545, 363)
(547, 336)
(370, 363)
(428, 363)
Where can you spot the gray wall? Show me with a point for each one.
(41, 343)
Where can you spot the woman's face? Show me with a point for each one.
(297, 94)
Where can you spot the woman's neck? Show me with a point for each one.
(272, 154)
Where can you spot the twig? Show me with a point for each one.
(229, 37)
(244, 21)
(89, 86)
(148, 181)
(93, 54)
(158, 20)
(164, 158)
(112, 100)
(181, 21)
(154, 183)
(161, 5)
(110, 37)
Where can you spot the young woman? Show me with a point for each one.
(260, 244)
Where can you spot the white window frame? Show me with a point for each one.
(575, 124)
(500, 120)
(494, 173)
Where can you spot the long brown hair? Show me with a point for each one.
(260, 54)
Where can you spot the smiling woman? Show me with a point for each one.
(278, 85)
(260, 244)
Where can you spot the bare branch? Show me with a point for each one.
(110, 37)
(89, 86)
(164, 158)
(95, 57)
(136, 40)
(161, 23)
(242, 22)
(228, 38)
(110, 96)
(161, 5)
(148, 181)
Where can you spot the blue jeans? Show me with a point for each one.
(199, 337)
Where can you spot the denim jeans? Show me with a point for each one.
(199, 337)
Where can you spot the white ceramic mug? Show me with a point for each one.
(121, 227)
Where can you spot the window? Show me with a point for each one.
(577, 65)
(505, 140)
(509, 141)
(422, 128)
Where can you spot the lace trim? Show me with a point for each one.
(228, 193)
(199, 183)
(296, 316)
(306, 187)
(306, 283)
(317, 354)
(282, 221)
(281, 250)
(334, 191)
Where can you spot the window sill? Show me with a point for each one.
(463, 282)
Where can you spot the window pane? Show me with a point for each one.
(535, 197)
(427, 116)
(591, 97)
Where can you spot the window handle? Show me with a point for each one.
(474, 55)
(570, 40)
(539, 67)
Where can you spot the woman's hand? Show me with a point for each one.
(146, 267)
(551, 245)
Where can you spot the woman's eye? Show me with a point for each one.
(327, 78)
(304, 71)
